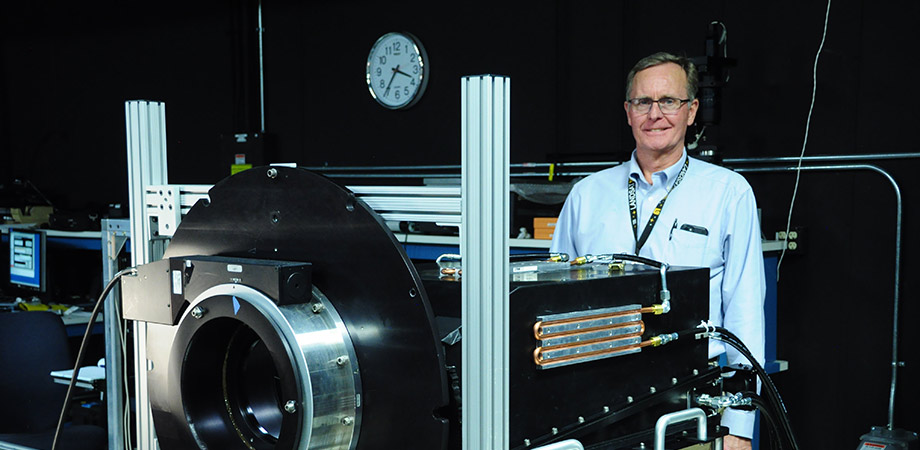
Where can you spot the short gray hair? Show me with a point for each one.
(660, 58)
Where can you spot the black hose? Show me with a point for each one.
(769, 415)
(638, 259)
(772, 392)
(80, 355)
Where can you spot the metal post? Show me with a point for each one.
(895, 364)
(485, 147)
(146, 142)
(114, 236)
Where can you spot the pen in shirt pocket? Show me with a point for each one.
(673, 227)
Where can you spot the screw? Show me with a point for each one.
(198, 312)
(272, 173)
(652, 389)
(696, 372)
(317, 308)
(555, 430)
(581, 419)
(793, 234)
(606, 409)
(341, 360)
(290, 406)
(792, 245)
(781, 235)
(629, 399)
(527, 442)
(348, 420)
(674, 381)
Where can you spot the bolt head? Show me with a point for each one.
(198, 312)
(272, 172)
(341, 360)
(290, 407)
(348, 420)
(317, 308)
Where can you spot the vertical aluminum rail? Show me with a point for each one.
(146, 136)
(485, 146)
(114, 237)
(895, 364)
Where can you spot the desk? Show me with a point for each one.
(76, 321)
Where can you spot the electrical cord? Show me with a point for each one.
(79, 362)
(772, 393)
(798, 171)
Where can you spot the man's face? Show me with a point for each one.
(656, 132)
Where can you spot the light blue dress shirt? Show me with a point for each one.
(595, 220)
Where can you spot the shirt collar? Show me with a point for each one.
(670, 173)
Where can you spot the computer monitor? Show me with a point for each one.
(28, 259)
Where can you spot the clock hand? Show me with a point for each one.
(387, 92)
(400, 71)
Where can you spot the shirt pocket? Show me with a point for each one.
(688, 247)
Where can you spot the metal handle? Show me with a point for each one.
(570, 444)
(680, 416)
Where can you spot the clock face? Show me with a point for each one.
(397, 70)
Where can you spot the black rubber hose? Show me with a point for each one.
(769, 415)
(638, 259)
(80, 355)
(730, 338)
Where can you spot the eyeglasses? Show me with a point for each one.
(667, 105)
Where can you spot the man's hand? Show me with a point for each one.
(730, 442)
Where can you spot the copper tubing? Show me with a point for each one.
(600, 339)
(595, 329)
(538, 352)
(538, 327)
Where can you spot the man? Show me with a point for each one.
(708, 213)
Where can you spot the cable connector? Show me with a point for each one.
(661, 339)
(583, 260)
(724, 401)
(558, 257)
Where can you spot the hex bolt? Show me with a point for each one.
(341, 360)
(792, 245)
(629, 399)
(674, 381)
(793, 234)
(781, 235)
(527, 442)
(317, 308)
(272, 172)
(606, 409)
(348, 420)
(290, 406)
(198, 312)
(652, 389)
(555, 431)
(581, 419)
(696, 372)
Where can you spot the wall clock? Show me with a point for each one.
(397, 70)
